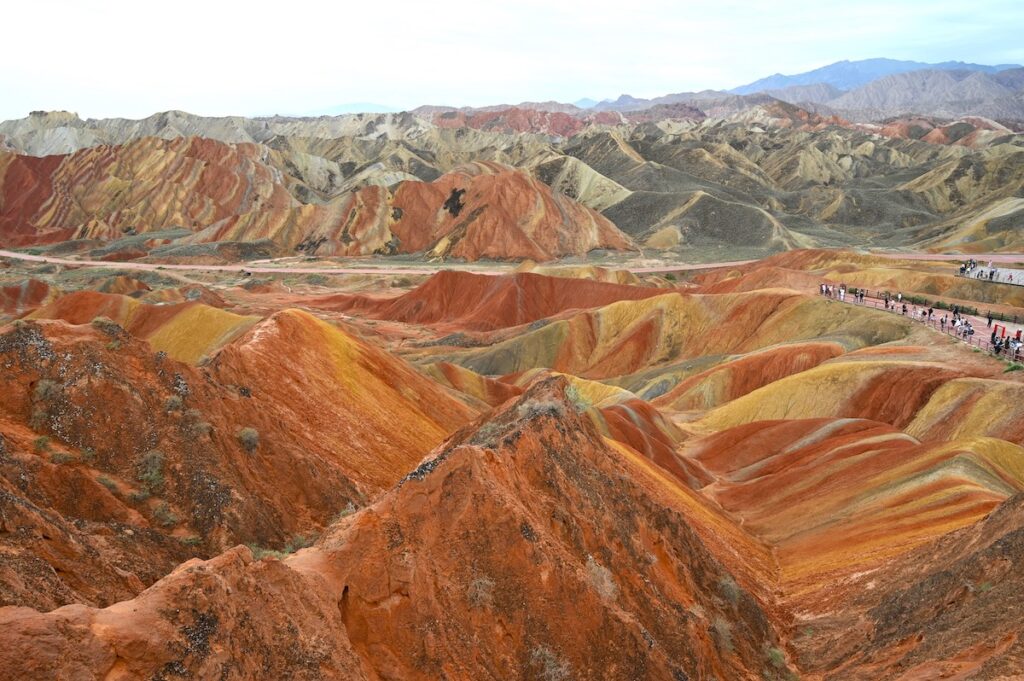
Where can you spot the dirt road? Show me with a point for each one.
(263, 268)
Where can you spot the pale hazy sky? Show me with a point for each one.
(131, 59)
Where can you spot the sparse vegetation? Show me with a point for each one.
(61, 457)
(299, 541)
(349, 509)
(38, 419)
(777, 657)
(151, 471)
(107, 482)
(173, 403)
(88, 455)
(108, 326)
(580, 403)
(722, 631)
(480, 592)
(535, 408)
(1013, 367)
(552, 667)
(191, 540)
(194, 424)
(41, 443)
(729, 588)
(249, 438)
(46, 390)
(601, 578)
(164, 515)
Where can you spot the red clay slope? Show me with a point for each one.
(524, 549)
(107, 436)
(482, 302)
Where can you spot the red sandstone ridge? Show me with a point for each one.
(118, 462)
(483, 303)
(524, 120)
(482, 210)
(234, 192)
(525, 548)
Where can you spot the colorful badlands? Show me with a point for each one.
(505, 477)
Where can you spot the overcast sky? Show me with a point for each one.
(131, 59)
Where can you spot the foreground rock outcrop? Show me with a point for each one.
(491, 559)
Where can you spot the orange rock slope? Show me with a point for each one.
(559, 479)
(238, 192)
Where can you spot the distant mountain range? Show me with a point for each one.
(867, 90)
(847, 75)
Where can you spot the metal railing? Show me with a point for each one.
(976, 339)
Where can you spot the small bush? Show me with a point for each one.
(729, 588)
(722, 631)
(191, 540)
(38, 419)
(108, 326)
(534, 408)
(580, 403)
(46, 390)
(107, 482)
(61, 457)
(300, 541)
(479, 593)
(114, 345)
(165, 516)
(41, 443)
(349, 509)
(139, 496)
(552, 668)
(777, 657)
(260, 552)
(1013, 367)
(173, 403)
(151, 471)
(249, 438)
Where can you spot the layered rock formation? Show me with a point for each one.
(515, 476)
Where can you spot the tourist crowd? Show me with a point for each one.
(955, 323)
(971, 268)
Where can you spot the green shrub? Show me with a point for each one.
(729, 588)
(41, 443)
(107, 482)
(61, 457)
(151, 471)
(249, 438)
(722, 631)
(173, 403)
(580, 403)
(777, 657)
(46, 390)
(165, 516)
(107, 326)
(1013, 367)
